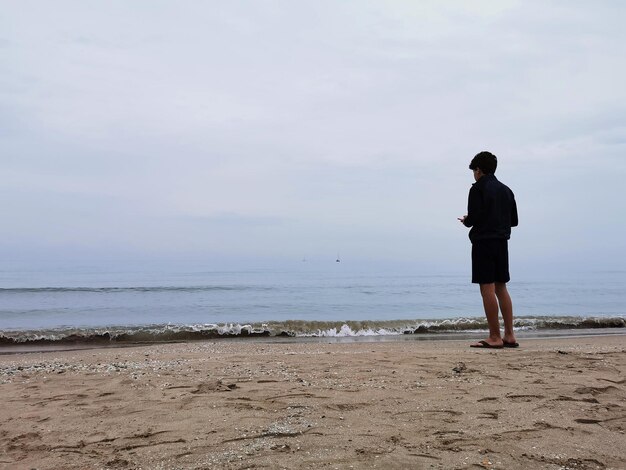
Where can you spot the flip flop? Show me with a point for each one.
(511, 345)
(485, 344)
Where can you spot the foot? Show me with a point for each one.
(510, 342)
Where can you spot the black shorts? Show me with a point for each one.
(490, 261)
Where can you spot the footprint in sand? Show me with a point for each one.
(596, 390)
(524, 398)
(214, 386)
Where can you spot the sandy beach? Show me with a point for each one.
(551, 404)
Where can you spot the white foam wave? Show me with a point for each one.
(345, 331)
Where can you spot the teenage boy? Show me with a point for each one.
(491, 212)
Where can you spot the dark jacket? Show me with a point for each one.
(491, 210)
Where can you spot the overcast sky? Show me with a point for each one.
(282, 130)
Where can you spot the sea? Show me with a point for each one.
(88, 305)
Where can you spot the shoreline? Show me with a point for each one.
(553, 403)
(53, 346)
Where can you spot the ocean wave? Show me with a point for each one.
(296, 328)
(142, 289)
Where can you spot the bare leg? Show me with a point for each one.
(490, 304)
(506, 308)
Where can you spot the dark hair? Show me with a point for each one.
(486, 161)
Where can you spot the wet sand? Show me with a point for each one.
(551, 404)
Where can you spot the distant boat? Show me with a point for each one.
(338, 260)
